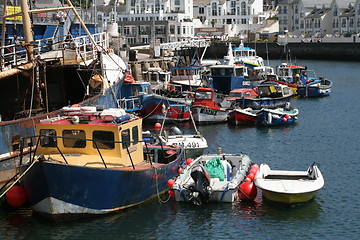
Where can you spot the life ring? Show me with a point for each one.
(129, 78)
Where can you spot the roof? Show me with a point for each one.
(317, 12)
(199, 2)
(345, 3)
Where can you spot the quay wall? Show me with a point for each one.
(306, 50)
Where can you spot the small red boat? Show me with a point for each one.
(240, 116)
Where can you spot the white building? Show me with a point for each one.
(319, 18)
(235, 16)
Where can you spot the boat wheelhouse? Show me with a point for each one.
(224, 78)
(247, 56)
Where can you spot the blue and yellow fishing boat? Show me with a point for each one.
(90, 162)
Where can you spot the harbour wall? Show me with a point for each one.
(308, 50)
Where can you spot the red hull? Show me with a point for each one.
(241, 118)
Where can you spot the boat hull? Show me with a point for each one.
(267, 117)
(62, 191)
(285, 198)
(305, 91)
(241, 117)
(208, 115)
(258, 103)
(154, 109)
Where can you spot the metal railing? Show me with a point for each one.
(15, 53)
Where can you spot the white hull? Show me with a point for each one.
(289, 187)
(207, 115)
(194, 145)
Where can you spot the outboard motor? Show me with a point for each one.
(287, 106)
(200, 192)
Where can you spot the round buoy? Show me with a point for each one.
(171, 193)
(287, 116)
(16, 196)
(253, 171)
(157, 125)
(284, 119)
(247, 179)
(180, 171)
(255, 166)
(170, 183)
(188, 161)
(247, 191)
(251, 176)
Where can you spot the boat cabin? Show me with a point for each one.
(273, 90)
(111, 138)
(224, 78)
(205, 97)
(290, 73)
(157, 77)
(132, 95)
(240, 93)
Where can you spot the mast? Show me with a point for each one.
(27, 29)
(3, 30)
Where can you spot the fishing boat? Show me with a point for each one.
(91, 162)
(239, 116)
(205, 109)
(211, 178)
(73, 70)
(270, 95)
(315, 88)
(247, 56)
(289, 187)
(277, 116)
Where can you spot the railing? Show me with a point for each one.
(15, 53)
(130, 103)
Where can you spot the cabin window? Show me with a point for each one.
(125, 138)
(135, 134)
(74, 138)
(239, 72)
(103, 139)
(48, 138)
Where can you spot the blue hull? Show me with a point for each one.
(316, 88)
(61, 191)
(313, 91)
(264, 120)
(258, 103)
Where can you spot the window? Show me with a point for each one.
(214, 9)
(74, 138)
(201, 10)
(125, 138)
(103, 139)
(239, 71)
(135, 134)
(243, 8)
(48, 138)
(177, 2)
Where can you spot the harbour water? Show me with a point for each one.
(327, 132)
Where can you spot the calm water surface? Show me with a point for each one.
(327, 132)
